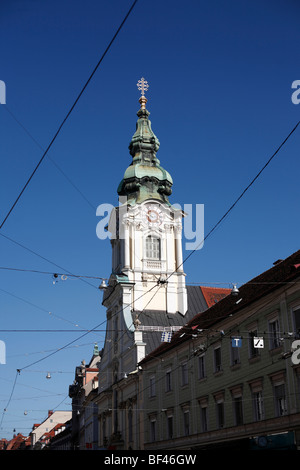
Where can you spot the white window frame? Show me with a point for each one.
(153, 247)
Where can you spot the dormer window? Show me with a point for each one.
(152, 247)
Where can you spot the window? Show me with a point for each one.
(201, 367)
(170, 426)
(204, 420)
(220, 414)
(237, 404)
(253, 352)
(220, 409)
(184, 374)
(152, 386)
(296, 312)
(274, 333)
(217, 359)
(238, 410)
(186, 422)
(235, 352)
(258, 408)
(168, 381)
(153, 429)
(280, 400)
(152, 247)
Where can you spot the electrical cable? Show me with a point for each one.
(53, 315)
(50, 158)
(10, 397)
(76, 339)
(54, 138)
(215, 226)
(68, 114)
(45, 259)
(237, 200)
(240, 196)
(65, 275)
(51, 273)
(209, 233)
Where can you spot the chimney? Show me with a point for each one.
(50, 412)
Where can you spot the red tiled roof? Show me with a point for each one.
(15, 442)
(212, 295)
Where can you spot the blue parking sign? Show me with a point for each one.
(236, 342)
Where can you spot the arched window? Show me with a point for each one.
(152, 247)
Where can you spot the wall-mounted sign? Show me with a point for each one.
(258, 342)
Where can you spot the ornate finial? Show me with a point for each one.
(143, 86)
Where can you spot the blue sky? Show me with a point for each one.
(220, 77)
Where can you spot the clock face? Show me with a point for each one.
(152, 215)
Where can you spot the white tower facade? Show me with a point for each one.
(146, 290)
(147, 249)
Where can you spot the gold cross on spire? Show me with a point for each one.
(143, 86)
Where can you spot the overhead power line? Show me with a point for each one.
(64, 275)
(210, 232)
(50, 145)
(50, 158)
(43, 258)
(239, 197)
(69, 113)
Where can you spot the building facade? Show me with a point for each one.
(185, 367)
(83, 391)
(39, 430)
(146, 294)
(230, 379)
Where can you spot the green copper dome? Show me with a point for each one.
(145, 178)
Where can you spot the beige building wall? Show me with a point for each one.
(191, 400)
(54, 418)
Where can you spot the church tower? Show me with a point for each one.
(146, 230)
(146, 292)
(146, 296)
